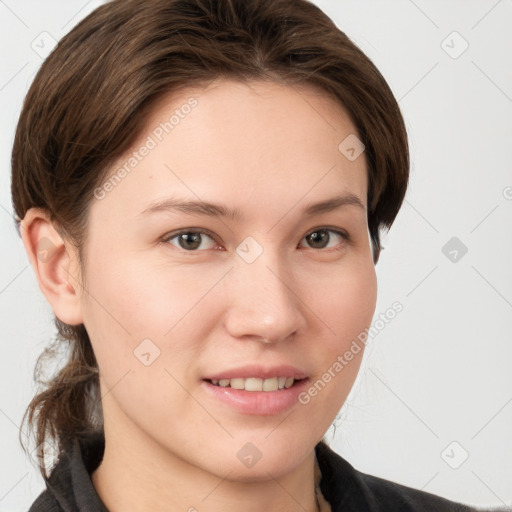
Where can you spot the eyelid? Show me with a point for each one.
(338, 230)
(205, 231)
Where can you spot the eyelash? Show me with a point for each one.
(167, 238)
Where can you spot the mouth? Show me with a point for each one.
(255, 389)
(255, 383)
(256, 395)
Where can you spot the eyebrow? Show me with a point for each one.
(218, 210)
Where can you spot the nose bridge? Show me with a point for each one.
(264, 302)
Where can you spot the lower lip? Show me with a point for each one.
(257, 402)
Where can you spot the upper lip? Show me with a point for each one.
(258, 371)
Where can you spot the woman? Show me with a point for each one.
(200, 187)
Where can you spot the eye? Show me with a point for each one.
(190, 240)
(320, 238)
(194, 240)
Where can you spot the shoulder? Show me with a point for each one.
(45, 502)
(350, 490)
(69, 486)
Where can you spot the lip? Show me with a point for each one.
(262, 403)
(260, 372)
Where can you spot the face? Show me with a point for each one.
(177, 300)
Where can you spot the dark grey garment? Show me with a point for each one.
(70, 489)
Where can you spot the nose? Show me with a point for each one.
(265, 303)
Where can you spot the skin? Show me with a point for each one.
(267, 149)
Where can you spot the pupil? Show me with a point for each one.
(318, 237)
(190, 238)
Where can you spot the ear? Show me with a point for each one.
(55, 264)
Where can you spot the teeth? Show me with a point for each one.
(270, 384)
(253, 384)
(237, 383)
(256, 384)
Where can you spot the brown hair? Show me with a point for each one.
(92, 95)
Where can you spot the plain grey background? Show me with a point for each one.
(432, 405)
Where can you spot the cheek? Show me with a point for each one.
(136, 297)
(345, 302)
(136, 320)
(130, 301)
(345, 310)
(121, 309)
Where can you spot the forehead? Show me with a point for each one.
(256, 143)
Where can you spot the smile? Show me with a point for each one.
(255, 383)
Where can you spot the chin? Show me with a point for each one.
(262, 471)
(259, 459)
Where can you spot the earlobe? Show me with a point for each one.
(55, 264)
